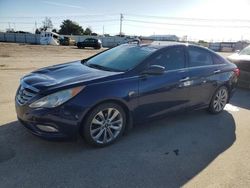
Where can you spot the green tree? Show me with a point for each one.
(69, 27)
(88, 31)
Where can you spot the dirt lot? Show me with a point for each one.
(17, 60)
(190, 150)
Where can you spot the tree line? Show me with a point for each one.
(68, 27)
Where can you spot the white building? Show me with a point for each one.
(163, 37)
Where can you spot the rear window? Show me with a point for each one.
(218, 60)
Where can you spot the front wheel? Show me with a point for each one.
(219, 100)
(104, 125)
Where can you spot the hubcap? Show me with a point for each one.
(220, 100)
(106, 125)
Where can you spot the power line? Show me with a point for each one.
(189, 19)
(60, 16)
(90, 21)
(187, 25)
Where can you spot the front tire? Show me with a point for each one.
(104, 125)
(219, 100)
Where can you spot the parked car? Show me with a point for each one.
(90, 42)
(102, 96)
(242, 60)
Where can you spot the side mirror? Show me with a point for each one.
(154, 70)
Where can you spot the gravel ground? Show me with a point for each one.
(193, 149)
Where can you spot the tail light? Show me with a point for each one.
(237, 72)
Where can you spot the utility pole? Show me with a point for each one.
(35, 27)
(103, 30)
(121, 19)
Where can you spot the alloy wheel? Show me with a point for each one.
(106, 125)
(220, 100)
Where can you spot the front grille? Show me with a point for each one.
(25, 93)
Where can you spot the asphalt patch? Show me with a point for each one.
(6, 154)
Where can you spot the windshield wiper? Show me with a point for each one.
(100, 67)
(83, 61)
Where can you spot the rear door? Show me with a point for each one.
(160, 94)
(203, 75)
(88, 43)
(92, 44)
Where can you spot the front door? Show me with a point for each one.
(160, 94)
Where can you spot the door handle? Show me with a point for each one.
(184, 79)
(217, 71)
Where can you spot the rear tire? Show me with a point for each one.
(104, 125)
(219, 100)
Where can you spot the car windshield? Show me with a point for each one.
(120, 58)
(245, 51)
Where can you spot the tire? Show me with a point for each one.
(104, 125)
(219, 100)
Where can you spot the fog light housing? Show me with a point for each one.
(47, 128)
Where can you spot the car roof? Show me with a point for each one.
(91, 39)
(157, 45)
(164, 44)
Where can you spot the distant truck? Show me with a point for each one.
(67, 41)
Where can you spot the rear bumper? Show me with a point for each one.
(231, 94)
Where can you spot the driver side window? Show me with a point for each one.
(171, 59)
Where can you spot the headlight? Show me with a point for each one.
(56, 99)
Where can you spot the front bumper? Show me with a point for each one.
(32, 127)
(65, 123)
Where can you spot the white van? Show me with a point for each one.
(49, 38)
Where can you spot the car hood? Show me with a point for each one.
(237, 57)
(63, 75)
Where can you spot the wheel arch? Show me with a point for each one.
(129, 118)
(229, 89)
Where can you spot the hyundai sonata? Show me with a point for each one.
(102, 96)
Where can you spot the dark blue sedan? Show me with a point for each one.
(102, 96)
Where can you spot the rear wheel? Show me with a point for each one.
(219, 100)
(104, 125)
